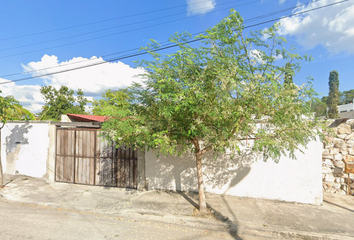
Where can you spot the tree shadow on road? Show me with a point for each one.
(222, 171)
(232, 226)
(337, 205)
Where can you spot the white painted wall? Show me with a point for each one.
(346, 107)
(64, 118)
(51, 153)
(246, 176)
(24, 148)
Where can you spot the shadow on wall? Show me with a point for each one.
(106, 173)
(179, 173)
(220, 172)
(227, 171)
(166, 172)
(107, 166)
(13, 145)
(17, 136)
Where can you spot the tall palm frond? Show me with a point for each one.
(18, 112)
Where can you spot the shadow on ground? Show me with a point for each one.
(337, 205)
(232, 226)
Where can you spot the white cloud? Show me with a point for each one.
(281, 1)
(28, 95)
(256, 55)
(331, 27)
(199, 6)
(278, 57)
(92, 80)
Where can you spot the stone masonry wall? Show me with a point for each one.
(338, 149)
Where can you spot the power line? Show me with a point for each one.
(135, 49)
(168, 47)
(112, 34)
(119, 26)
(125, 25)
(101, 21)
(299, 13)
(163, 48)
(95, 64)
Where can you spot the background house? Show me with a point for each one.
(82, 118)
(346, 110)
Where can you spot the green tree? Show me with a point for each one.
(333, 96)
(212, 97)
(18, 112)
(62, 101)
(111, 101)
(6, 105)
(289, 73)
(324, 99)
(346, 97)
(319, 107)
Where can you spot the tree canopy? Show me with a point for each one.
(289, 73)
(111, 101)
(217, 94)
(6, 105)
(62, 101)
(333, 96)
(17, 111)
(346, 97)
(319, 106)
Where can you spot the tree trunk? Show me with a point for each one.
(1, 173)
(202, 202)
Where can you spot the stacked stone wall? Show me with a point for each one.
(338, 150)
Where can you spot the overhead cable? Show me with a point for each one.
(161, 48)
(100, 21)
(107, 35)
(136, 49)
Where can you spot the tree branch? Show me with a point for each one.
(247, 56)
(206, 149)
(222, 56)
(271, 54)
(195, 142)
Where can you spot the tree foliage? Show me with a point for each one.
(215, 95)
(333, 96)
(346, 97)
(62, 101)
(17, 111)
(6, 105)
(289, 73)
(111, 101)
(319, 107)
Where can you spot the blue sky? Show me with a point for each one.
(39, 34)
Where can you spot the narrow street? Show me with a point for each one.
(27, 221)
